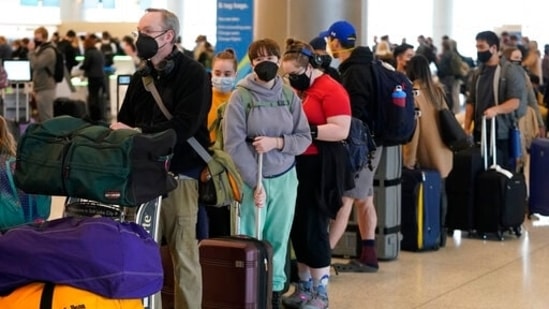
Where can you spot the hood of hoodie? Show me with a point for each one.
(359, 55)
(258, 89)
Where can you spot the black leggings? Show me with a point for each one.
(309, 233)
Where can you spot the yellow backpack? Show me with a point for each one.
(41, 295)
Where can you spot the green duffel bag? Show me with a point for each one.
(71, 157)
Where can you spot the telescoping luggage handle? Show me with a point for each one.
(484, 148)
(258, 187)
(484, 142)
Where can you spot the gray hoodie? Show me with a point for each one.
(286, 121)
(43, 64)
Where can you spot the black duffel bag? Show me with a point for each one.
(71, 157)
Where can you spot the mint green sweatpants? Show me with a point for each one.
(275, 221)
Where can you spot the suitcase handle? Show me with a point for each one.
(258, 186)
(484, 143)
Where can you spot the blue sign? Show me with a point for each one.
(235, 30)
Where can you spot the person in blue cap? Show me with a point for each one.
(357, 79)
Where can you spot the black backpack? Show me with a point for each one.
(394, 124)
(59, 66)
(359, 145)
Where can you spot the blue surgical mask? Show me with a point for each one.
(223, 84)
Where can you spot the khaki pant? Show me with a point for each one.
(44, 103)
(178, 226)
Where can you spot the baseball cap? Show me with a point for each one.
(343, 31)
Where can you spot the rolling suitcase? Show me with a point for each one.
(421, 210)
(147, 215)
(500, 195)
(538, 201)
(237, 270)
(387, 200)
(460, 189)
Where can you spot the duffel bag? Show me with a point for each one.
(49, 296)
(109, 258)
(71, 157)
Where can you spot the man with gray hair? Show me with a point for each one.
(185, 89)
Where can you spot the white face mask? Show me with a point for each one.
(223, 84)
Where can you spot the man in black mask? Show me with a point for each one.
(185, 89)
(42, 58)
(510, 104)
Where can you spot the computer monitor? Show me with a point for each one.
(17, 70)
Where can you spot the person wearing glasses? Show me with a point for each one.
(185, 89)
(321, 172)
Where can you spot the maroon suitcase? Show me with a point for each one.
(237, 270)
(236, 273)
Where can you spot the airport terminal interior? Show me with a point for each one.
(470, 272)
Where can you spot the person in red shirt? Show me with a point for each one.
(320, 168)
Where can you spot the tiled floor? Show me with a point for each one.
(469, 273)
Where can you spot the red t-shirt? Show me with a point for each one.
(324, 99)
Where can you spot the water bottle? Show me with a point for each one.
(399, 97)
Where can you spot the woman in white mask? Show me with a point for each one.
(224, 66)
(223, 82)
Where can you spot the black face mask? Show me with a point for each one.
(37, 42)
(484, 56)
(266, 70)
(300, 82)
(517, 62)
(146, 46)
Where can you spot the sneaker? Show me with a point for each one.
(276, 301)
(319, 300)
(301, 295)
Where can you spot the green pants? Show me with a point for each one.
(178, 225)
(275, 221)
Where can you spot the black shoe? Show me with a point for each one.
(277, 300)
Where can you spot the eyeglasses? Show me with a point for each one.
(150, 33)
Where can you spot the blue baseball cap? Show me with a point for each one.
(343, 31)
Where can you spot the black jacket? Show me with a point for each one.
(186, 92)
(356, 77)
(93, 63)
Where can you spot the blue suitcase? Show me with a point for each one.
(421, 210)
(538, 202)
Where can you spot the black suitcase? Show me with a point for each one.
(70, 107)
(500, 195)
(460, 189)
(500, 203)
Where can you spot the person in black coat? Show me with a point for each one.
(93, 69)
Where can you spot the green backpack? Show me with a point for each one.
(249, 103)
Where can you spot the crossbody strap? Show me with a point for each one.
(148, 82)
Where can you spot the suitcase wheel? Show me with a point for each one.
(517, 230)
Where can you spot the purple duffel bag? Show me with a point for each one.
(109, 258)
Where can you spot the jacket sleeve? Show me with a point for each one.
(409, 151)
(297, 142)
(516, 83)
(235, 132)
